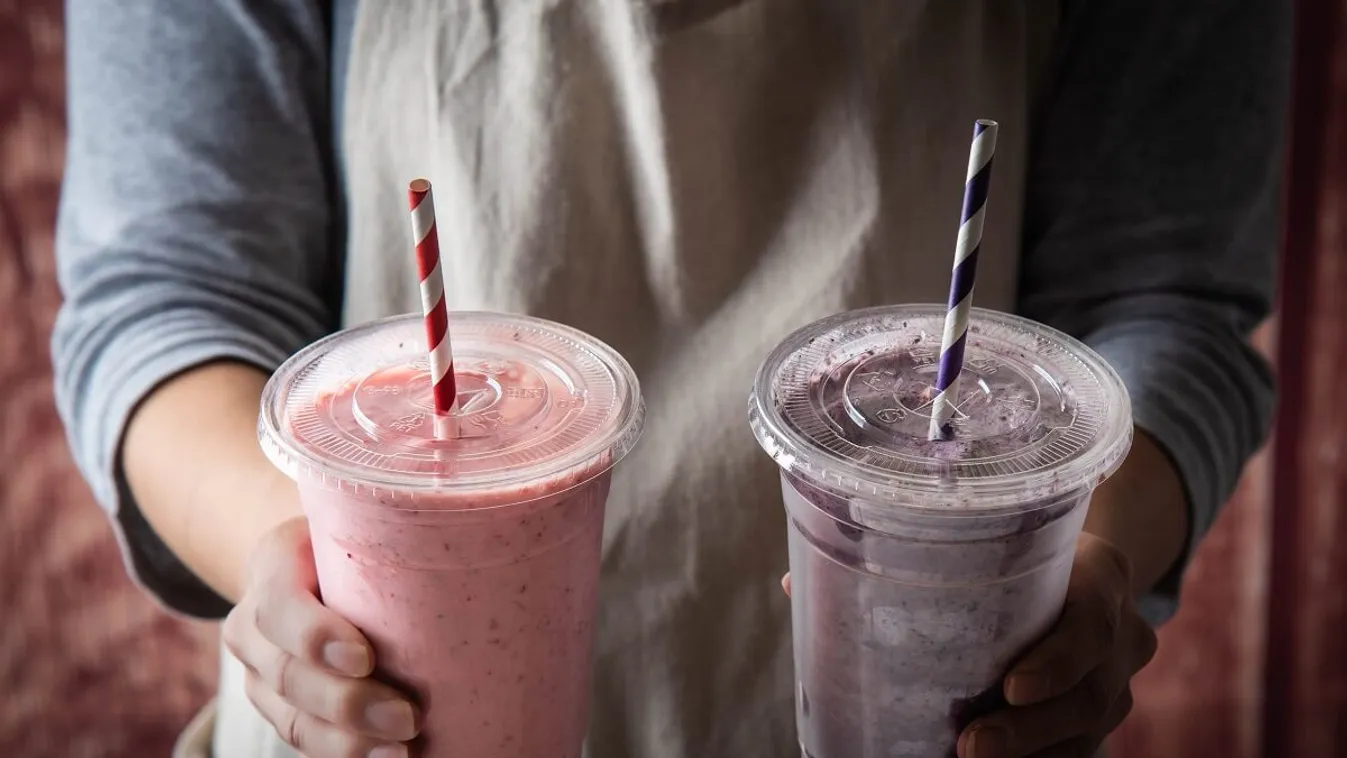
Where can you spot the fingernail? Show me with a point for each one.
(347, 657)
(392, 717)
(389, 751)
(989, 742)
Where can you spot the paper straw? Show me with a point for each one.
(963, 276)
(443, 389)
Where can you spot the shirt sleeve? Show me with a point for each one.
(1152, 221)
(194, 222)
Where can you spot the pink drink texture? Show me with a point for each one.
(480, 604)
(907, 613)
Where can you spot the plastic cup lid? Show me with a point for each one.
(537, 400)
(846, 402)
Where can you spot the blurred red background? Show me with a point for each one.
(1254, 666)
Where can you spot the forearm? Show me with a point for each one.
(1132, 247)
(193, 230)
(192, 461)
(1143, 511)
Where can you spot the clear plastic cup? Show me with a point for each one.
(471, 564)
(919, 569)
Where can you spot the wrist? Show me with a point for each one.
(1143, 511)
(192, 460)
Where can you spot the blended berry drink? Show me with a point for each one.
(470, 563)
(920, 570)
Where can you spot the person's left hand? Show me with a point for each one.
(1071, 689)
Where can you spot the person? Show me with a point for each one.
(688, 180)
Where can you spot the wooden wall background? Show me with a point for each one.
(89, 668)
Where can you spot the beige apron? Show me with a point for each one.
(689, 180)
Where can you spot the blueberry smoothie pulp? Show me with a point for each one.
(471, 563)
(902, 639)
(920, 570)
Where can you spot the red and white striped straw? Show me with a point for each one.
(443, 388)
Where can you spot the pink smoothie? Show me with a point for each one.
(474, 571)
(479, 603)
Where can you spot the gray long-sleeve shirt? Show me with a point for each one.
(201, 215)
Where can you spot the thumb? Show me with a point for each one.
(289, 613)
(284, 556)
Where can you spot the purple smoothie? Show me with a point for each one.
(921, 569)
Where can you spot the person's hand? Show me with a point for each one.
(1069, 691)
(308, 669)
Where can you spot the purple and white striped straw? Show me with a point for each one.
(963, 277)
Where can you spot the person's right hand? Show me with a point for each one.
(308, 669)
